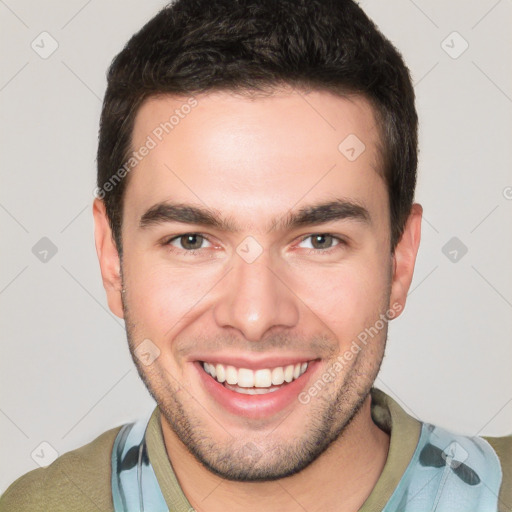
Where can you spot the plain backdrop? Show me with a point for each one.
(66, 374)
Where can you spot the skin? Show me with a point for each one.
(254, 160)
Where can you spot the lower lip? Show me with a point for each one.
(255, 406)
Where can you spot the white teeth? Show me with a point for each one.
(245, 378)
(221, 372)
(231, 375)
(257, 381)
(252, 391)
(278, 375)
(288, 373)
(262, 378)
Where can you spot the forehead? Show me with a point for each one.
(254, 155)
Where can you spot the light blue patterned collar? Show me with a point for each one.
(447, 473)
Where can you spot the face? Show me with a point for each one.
(255, 254)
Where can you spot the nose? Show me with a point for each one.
(255, 299)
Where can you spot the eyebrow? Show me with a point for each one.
(310, 215)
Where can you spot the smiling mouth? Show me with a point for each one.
(254, 382)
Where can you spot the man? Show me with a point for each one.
(257, 231)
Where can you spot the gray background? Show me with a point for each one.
(66, 374)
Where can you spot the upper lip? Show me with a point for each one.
(253, 362)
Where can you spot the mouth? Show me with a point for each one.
(254, 382)
(255, 392)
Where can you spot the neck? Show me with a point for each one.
(341, 479)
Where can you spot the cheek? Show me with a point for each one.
(161, 295)
(346, 298)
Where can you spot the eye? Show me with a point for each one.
(188, 241)
(321, 242)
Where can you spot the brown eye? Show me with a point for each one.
(188, 241)
(191, 241)
(322, 241)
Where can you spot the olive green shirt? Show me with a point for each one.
(80, 479)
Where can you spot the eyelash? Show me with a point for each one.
(341, 243)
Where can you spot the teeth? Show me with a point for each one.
(255, 382)
(245, 378)
(288, 373)
(262, 378)
(278, 375)
(231, 375)
(221, 373)
(252, 391)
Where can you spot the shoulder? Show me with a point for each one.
(480, 468)
(502, 446)
(77, 480)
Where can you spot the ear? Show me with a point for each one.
(108, 258)
(404, 257)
